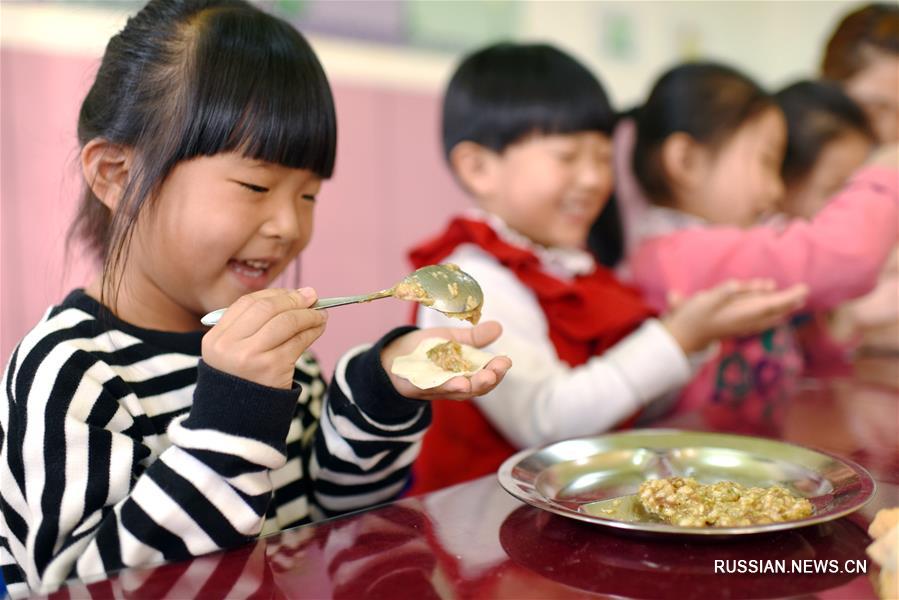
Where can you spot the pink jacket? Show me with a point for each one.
(839, 254)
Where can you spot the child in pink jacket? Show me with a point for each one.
(829, 138)
(709, 148)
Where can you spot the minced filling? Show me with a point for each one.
(685, 502)
(448, 356)
(412, 290)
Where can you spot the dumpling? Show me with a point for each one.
(437, 360)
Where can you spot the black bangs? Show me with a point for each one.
(258, 89)
(505, 92)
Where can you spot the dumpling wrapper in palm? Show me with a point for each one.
(423, 373)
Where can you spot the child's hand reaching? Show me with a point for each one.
(457, 388)
(263, 334)
(731, 309)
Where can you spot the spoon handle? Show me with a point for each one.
(343, 300)
(212, 318)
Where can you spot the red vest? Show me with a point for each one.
(586, 316)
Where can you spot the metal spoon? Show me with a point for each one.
(445, 288)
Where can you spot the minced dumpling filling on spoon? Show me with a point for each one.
(437, 360)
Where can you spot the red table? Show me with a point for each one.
(476, 541)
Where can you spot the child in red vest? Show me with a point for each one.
(526, 132)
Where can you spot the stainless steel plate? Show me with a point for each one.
(578, 478)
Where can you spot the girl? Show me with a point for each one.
(862, 56)
(129, 436)
(828, 138)
(526, 132)
(709, 148)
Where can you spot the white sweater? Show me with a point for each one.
(542, 399)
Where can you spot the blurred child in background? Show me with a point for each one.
(526, 132)
(862, 55)
(828, 138)
(709, 149)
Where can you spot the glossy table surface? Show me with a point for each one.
(476, 541)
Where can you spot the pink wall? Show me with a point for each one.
(39, 186)
(390, 190)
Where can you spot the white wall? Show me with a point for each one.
(774, 42)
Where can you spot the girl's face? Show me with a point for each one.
(740, 181)
(223, 226)
(551, 188)
(876, 89)
(836, 162)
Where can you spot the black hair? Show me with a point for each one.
(190, 78)
(505, 92)
(817, 112)
(707, 101)
(606, 237)
(859, 37)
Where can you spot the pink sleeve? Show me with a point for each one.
(838, 255)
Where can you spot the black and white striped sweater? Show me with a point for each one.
(120, 447)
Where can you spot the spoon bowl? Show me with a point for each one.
(445, 288)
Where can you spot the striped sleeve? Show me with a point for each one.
(91, 483)
(83, 492)
(368, 435)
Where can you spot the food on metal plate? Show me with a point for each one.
(685, 502)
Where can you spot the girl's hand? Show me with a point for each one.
(731, 309)
(457, 388)
(263, 334)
